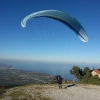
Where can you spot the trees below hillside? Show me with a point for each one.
(84, 75)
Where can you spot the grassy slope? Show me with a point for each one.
(26, 92)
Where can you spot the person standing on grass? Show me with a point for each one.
(59, 80)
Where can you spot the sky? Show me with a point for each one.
(45, 39)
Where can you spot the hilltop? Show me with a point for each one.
(52, 92)
(31, 88)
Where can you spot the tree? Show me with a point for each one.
(84, 75)
(87, 73)
(85, 70)
(76, 72)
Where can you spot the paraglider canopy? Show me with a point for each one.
(63, 17)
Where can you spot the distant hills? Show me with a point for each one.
(12, 77)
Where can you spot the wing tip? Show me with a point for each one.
(22, 24)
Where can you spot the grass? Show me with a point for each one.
(38, 88)
(2, 91)
(29, 92)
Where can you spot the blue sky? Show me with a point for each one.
(46, 39)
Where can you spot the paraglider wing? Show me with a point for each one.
(63, 17)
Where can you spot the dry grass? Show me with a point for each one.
(52, 92)
(29, 92)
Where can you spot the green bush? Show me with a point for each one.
(85, 75)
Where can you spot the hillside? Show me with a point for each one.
(52, 92)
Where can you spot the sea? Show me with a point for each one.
(52, 68)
